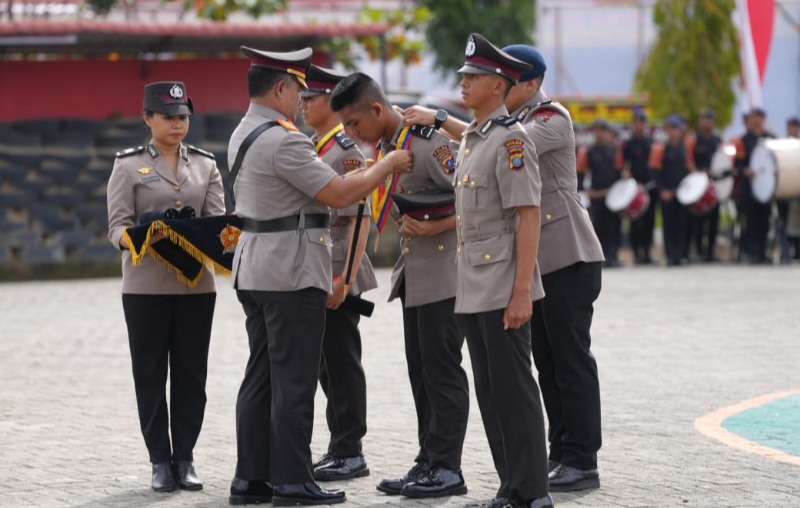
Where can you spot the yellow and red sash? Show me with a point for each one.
(381, 197)
(327, 141)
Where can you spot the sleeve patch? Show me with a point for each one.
(444, 155)
(422, 131)
(344, 140)
(515, 151)
(544, 115)
(351, 164)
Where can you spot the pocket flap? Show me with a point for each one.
(491, 250)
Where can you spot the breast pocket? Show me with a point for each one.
(474, 195)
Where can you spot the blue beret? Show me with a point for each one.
(529, 55)
(674, 120)
(639, 114)
(758, 112)
(708, 113)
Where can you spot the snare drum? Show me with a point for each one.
(776, 167)
(722, 171)
(696, 191)
(628, 198)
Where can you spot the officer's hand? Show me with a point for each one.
(418, 115)
(399, 161)
(156, 237)
(667, 195)
(413, 227)
(519, 310)
(336, 299)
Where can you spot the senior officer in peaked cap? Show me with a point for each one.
(341, 374)
(282, 274)
(497, 205)
(570, 258)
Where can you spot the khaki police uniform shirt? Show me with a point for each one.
(279, 177)
(140, 182)
(426, 264)
(344, 160)
(567, 235)
(497, 171)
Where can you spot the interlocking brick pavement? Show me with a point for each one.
(672, 345)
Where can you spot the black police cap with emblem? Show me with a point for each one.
(321, 81)
(483, 57)
(168, 98)
(294, 63)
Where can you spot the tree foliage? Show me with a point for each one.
(503, 22)
(219, 10)
(694, 60)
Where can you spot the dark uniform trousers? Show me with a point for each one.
(676, 224)
(788, 243)
(606, 226)
(275, 407)
(756, 229)
(641, 232)
(174, 331)
(705, 227)
(508, 397)
(342, 379)
(439, 384)
(567, 369)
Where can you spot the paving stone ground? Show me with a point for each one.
(672, 345)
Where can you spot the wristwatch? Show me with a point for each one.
(440, 117)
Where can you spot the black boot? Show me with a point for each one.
(163, 477)
(187, 478)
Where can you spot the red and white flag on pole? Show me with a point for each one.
(755, 19)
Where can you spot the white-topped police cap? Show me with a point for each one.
(168, 98)
(294, 63)
(321, 81)
(483, 57)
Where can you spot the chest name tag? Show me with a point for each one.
(150, 179)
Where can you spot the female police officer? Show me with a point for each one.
(168, 322)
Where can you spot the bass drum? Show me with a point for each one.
(776, 167)
(722, 171)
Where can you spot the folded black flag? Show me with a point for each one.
(425, 206)
(189, 244)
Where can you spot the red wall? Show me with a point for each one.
(98, 89)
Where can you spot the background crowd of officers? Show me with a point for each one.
(660, 166)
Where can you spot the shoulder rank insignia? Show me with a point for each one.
(344, 140)
(129, 151)
(505, 120)
(286, 124)
(486, 128)
(515, 154)
(523, 113)
(422, 131)
(200, 151)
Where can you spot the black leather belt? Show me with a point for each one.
(291, 223)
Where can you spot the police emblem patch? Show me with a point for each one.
(470, 47)
(515, 154)
(543, 116)
(229, 237)
(444, 155)
(176, 92)
(351, 165)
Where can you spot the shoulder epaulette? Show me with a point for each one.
(129, 151)
(344, 140)
(289, 126)
(422, 131)
(505, 120)
(200, 151)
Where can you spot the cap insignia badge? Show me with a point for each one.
(470, 47)
(176, 92)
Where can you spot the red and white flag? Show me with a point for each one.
(755, 19)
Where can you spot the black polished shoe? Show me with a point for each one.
(439, 482)
(250, 492)
(163, 477)
(497, 502)
(322, 460)
(567, 479)
(310, 493)
(551, 465)
(394, 486)
(341, 468)
(187, 477)
(539, 502)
